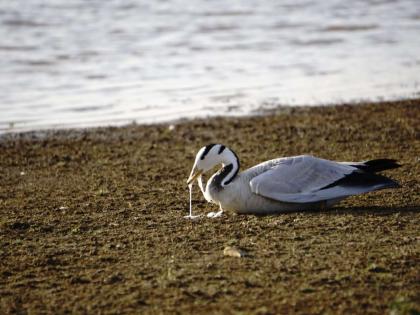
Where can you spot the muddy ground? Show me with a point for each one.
(91, 222)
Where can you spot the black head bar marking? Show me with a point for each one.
(206, 150)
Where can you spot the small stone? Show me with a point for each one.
(114, 279)
(376, 268)
(307, 290)
(20, 226)
(79, 280)
(233, 252)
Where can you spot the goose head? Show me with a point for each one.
(210, 156)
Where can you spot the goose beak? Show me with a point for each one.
(194, 174)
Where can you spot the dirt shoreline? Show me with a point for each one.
(91, 221)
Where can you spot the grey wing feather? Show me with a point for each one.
(299, 179)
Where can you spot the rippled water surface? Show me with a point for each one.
(85, 63)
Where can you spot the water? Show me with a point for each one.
(86, 63)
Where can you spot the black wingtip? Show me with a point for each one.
(394, 184)
(378, 165)
(364, 179)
